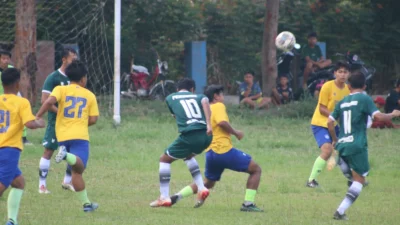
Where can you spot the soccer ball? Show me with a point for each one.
(285, 41)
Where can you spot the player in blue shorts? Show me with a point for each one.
(15, 113)
(221, 155)
(77, 110)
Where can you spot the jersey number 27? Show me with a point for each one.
(69, 111)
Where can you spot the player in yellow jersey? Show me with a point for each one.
(331, 93)
(221, 155)
(15, 113)
(77, 110)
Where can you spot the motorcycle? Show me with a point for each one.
(142, 86)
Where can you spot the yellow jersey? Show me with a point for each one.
(221, 142)
(329, 95)
(75, 105)
(15, 112)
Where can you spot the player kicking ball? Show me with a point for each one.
(15, 113)
(352, 113)
(192, 113)
(221, 155)
(77, 110)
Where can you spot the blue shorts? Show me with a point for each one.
(234, 159)
(79, 148)
(321, 134)
(9, 158)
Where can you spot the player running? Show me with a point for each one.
(192, 113)
(331, 93)
(77, 110)
(221, 155)
(352, 112)
(15, 112)
(50, 144)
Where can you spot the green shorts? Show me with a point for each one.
(358, 162)
(193, 142)
(50, 140)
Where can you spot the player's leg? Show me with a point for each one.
(67, 182)
(14, 197)
(50, 145)
(25, 140)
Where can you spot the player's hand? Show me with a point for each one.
(40, 122)
(334, 142)
(396, 113)
(209, 130)
(239, 135)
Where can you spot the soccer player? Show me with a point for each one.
(5, 60)
(192, 113)
(15, 112)
(221, 155)
(56, 78)
(352, 113)
(77, 110)
(331, 92)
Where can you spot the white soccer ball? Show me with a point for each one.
(285, 41)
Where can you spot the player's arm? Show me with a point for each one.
(28, 119)
(385, 116)
(46, 91)
(323, 100)
(221, 118)
(46, 106)
(226, 126)
(331, 123)
(207, 113)
(45, 96)
(93, 111)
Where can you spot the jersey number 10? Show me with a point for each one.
(191, 108)
(4, 118)
(69, 112)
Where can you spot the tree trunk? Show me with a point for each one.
(25, 47)
(268, 59)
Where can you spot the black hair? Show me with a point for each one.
(212, 90)
(186, 84)
(249, 72)
(357, 80)
(10, 76)
(341, 64)
(76, 70)
(397, 84)
(66, 51)
(312, 34)
(4, 52)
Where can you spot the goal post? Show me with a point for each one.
(117, 62)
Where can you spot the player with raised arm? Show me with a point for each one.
(192, 113)
(222, 155)
(331, 92)
(15, 113)
(56, 78)
(77, 110)
(352, 113)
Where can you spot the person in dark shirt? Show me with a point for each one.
(393, 98)
(380, 104)
(282, 94)
(251, 94)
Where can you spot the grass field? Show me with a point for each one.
(122, 176)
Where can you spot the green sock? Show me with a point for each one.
(82, 195)
(319, 165)
(24, 134)
(250, 195)
(186, 191)
(71, 159)
(13, 202)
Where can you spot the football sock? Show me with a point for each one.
(82, 195)
(351, 196)
(24, 134)
(165, 177)
(67, 176)
(185, 192)
(13, 202)
(44, 166)
(345, 169)
(71, 159)
(319, 165)
(250, 196)
(194, 169)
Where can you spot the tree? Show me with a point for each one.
(25, 47)
(268, 58)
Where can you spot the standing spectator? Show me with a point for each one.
(250, 93)
(282, 94)
(380, 104)
(393, 98)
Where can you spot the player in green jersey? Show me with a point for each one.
(352, 113)
(50, 144)
(192, 113)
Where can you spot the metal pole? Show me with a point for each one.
(117, 58)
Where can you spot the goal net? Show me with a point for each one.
(66, 23)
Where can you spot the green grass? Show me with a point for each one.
(122, 176)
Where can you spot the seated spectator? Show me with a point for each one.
(393, 98)
(380, 104)
(313, 58)
(282, 94)
(251, 94)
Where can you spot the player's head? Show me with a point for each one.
(379, 102)
(312, 38)
(283, 80)
(10, 79)
(77, 73)
(186, 84)
(215, 93)
(249, 77)
(68, 55)
(342, 71)
(357, 81)
(5, 59)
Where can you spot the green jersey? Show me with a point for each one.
(188, 111)
(1, 84)
(353, 112)
(314, 53)
(55, 79)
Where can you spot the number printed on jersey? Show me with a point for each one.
(192, 111)
(4, 121)
(75, 107)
